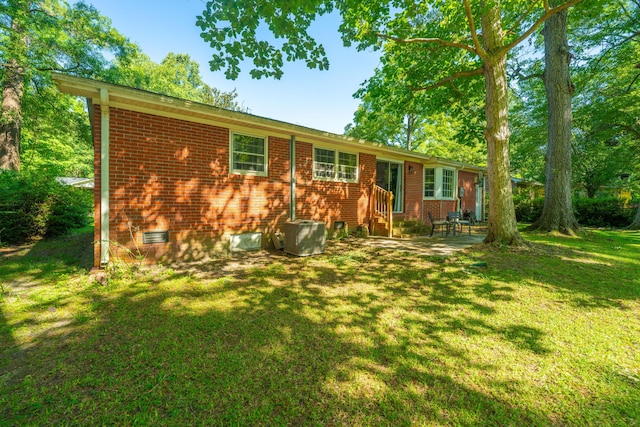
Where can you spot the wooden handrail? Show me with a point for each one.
(382, 206)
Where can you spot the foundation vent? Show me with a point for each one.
(150, 237)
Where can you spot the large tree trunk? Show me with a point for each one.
(502, 226)
(592, 190)
(411, 119)
(12, 94)
(557, 212)
(11, 122)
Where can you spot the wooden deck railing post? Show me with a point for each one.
(381, 205)
(372, 208)
(390, 213)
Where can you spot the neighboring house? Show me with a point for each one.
(530, 188)
(76, 182)
(175, 179)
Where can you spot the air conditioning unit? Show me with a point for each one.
(304, 237)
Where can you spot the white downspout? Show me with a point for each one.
(292, 182)
(104, 176)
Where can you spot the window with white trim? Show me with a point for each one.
(439, 183)
(248, 154)
(429, 182)
(448, 184)
(334, 165)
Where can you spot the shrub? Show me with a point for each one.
(601, 212)
(528, 209)
(34, 205)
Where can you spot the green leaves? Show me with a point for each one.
(38, 37)
(606, 133)
(177, 75)
(48, 35)
(266, 32)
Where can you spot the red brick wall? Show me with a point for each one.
(438, 208)
(413, 190)
(417, 208)
(170, 174)
(332, 201)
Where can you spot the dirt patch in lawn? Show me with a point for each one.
(375, 246)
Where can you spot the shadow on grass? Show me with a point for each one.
(9, 350)
(598, 270)
(340, 339)
(278, 345)
(44, 258)
(265, 363)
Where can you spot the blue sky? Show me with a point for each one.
(317, 99)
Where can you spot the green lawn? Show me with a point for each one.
(548, 335)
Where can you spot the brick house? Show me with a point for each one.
(195, 175)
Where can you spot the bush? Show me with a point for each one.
(528, 209)
(609, 212)
(601, 212)
(35, 205)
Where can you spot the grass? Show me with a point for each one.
(548, 335)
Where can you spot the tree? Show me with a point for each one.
(56, 133)
(177, 75)
(527, 120)
(608, 142)
(447, 126)
(41, 36)
(601, 35)
(437, 134)
(557, 211)
(599, 161)
(441, 41)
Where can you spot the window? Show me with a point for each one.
(429, 182)
(347, 166)
(248, 154)
(447, 183)
(324, 165)
(335, 165)
(439, 183)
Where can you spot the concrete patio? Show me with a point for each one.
(424, 245)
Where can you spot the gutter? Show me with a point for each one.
(292, 169)
(104, 176)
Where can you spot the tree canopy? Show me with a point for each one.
(446, 122)
(38, 37)
(434, 43)
(177, 75)
(50, 131)
(604, 41)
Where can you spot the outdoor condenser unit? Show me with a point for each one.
(304, 237)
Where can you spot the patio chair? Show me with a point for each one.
(435, 223)
(455, 218)
(469, 215)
